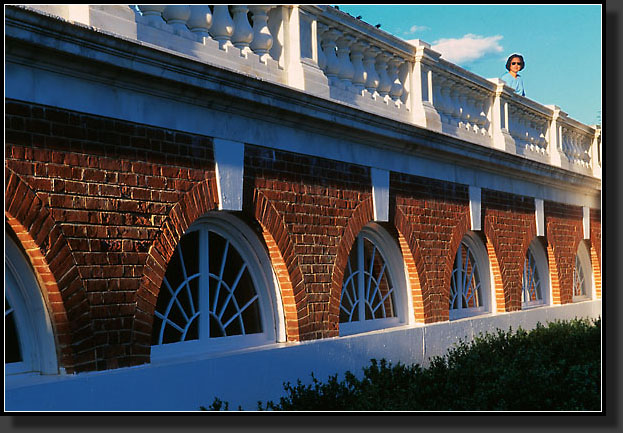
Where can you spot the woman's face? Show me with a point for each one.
(516, 64)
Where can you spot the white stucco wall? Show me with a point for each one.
(246, 376)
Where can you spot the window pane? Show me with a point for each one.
(12, 351)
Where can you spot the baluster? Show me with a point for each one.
(385, 84)
(222, 26)
(359, 74)
(243, 33)
(484, 120)
(403, 74)
(320, 31)
(369, 60)
(262, 39)
(440, 97)
(395, 89)
(343, 54)
(329, 45)
(200, 21)
(465, 115)
(455, 108)
(176, 16)
(153, 13)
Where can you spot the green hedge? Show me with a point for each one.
(551, 368)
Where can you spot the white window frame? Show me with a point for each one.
(540, 260)
(395, 268)
(32, 320)
(264, 279)
(583, 259)
(481, 259)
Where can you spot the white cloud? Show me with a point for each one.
(416, 28)
(468, 48)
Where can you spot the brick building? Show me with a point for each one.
(195, 198)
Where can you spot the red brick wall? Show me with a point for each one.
(509, 225)
(320, 206)
(106, 187)
(432, 216)
(100, 204)
(595, 248)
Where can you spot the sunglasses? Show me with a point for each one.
(517, 63)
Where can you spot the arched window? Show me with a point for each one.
(535, 283)
(582, 275)
(374, 293)
(470, 283)
(218, 292)
(29, 339)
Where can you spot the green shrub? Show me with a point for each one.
(551, 368)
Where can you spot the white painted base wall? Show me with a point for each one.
(246, 376)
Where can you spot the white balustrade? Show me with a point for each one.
(385, 83)
(395, 91)
(350, 61)
(176, 17)
(153, 13)
(347, 69)
(262, 39)
(200, 21)
(243, 33)
(369, 61)
(222, 27)
(359, 72)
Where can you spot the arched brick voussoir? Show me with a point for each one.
(55, 268)
(415, 267)
(285, 264)
(201, 199)
(362, 215)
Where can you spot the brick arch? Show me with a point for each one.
(361, 216)
(508, 285)
(422, 307)
(55, 268)
(201, 199)
(460, 230)
(286, 267)
(563, 240)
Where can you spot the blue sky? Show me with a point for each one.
(561, 45)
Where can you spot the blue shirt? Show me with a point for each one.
(515, 83)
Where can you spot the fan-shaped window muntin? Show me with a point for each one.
(535, 278)
(582, 275)
(469, 281)
(374, 288)
(218, 291)
(29, 339)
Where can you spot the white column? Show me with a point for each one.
(555, 136)
(332, 63)
(395, 90)
(292, 47)
(422, 104)
(596, 152)
(502, 139)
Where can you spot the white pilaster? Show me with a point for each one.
(380, 193)
(539, 215)
(586, 221)
(475, 207)
(229, 159)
